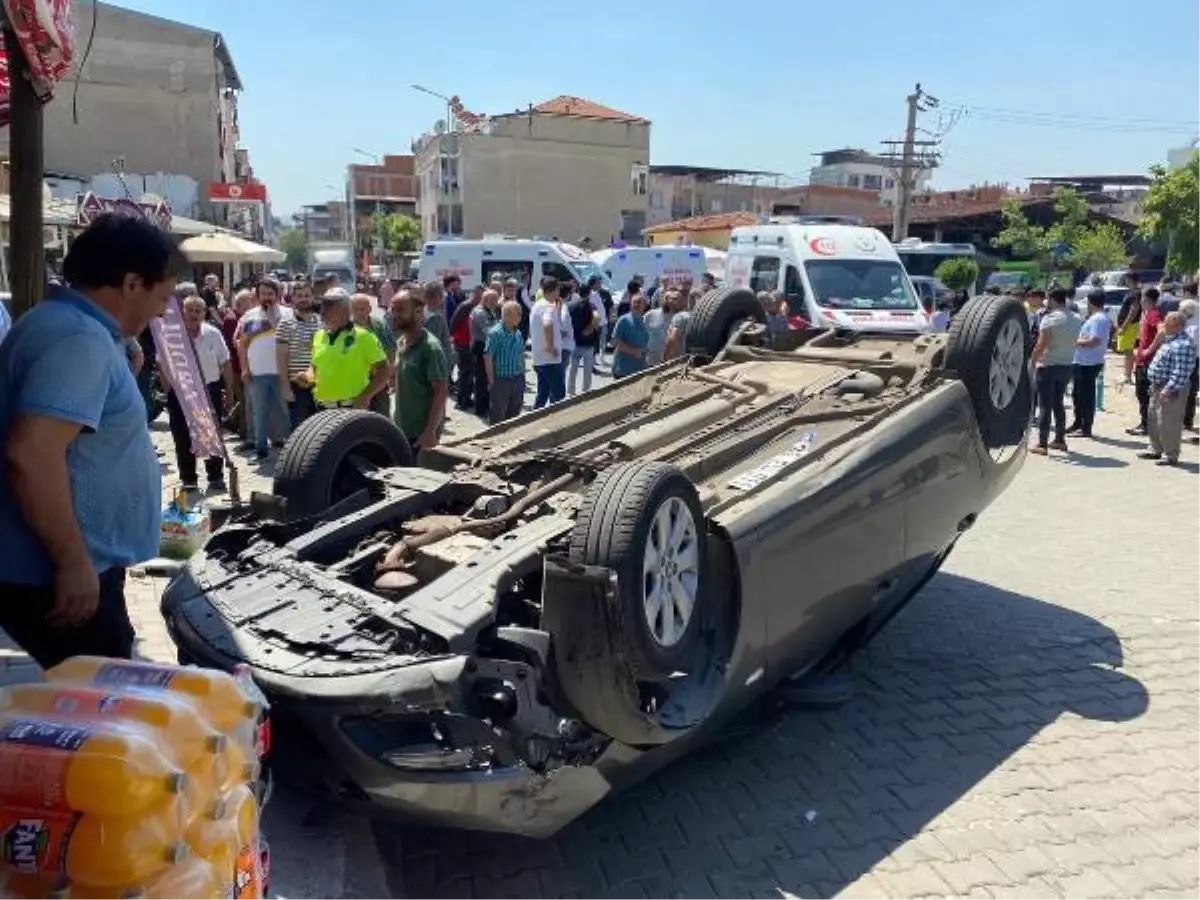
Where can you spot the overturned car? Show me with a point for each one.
(544, 612)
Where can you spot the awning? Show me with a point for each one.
(54, 211)
(46, 33)
(228, 248)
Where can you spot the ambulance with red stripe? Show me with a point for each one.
(833, 273)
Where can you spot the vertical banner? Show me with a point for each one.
(187, 381)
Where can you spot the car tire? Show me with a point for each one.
(311, 473)
(716, 314)
(988, 349)
(629, 510)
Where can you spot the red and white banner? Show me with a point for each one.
(232, 192)
(46, 33)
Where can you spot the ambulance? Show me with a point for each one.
(529, 261)
(834, 274)
(671, 265)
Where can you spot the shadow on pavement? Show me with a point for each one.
(1087, 461)
(807, 804)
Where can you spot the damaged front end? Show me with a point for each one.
(428, 650)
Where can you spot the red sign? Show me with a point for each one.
(824, 246)
(46, 34)
(226, 192)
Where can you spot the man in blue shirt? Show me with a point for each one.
(81, 497)
(631, 338)
(1090, 348)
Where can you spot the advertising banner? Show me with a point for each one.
(176, 350)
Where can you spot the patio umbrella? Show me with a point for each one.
(228, 248)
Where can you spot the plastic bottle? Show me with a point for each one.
(227, 834)
(192, 878)
(103, 768)
(174, 720)
(100, 850)
(217, 694)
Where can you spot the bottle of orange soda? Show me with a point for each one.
(103, 850)
(106, 768)
(218, 695)
(173, 720)
(227, 836)
(191, 878)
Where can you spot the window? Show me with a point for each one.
(865, 284)
(852, 181)
(872, 182)
(522, 270)
(764, 274)
(639, 176)
(793, 290)
(889, 183)
(716, 206)
(557, 270)
(656, 199)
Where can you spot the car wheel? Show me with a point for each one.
(643, 521)
(988, 349)
(716, 315)
(320, 463)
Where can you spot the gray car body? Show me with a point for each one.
(848, 518)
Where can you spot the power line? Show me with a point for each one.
(1074, 122)
(974, 108)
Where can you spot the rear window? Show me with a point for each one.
(860, 284)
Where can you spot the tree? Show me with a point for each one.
(1100, 248)
(397, 233)
(1170, 214)
(1044, 245)
(294, 244)
(957, 273)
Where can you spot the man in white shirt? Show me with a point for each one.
(1088, 367)
(213, 356)
(260, 367)
(545, 337)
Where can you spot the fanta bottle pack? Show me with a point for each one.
(127, 779)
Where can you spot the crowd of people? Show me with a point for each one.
(1160, 341)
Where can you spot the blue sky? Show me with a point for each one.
(1048, 87)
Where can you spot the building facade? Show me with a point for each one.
(568, 168)
(153, 99)
(861, 170)
(323, 221)
(681, 192)
(389, 186)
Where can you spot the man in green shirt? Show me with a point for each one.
(422, 373)
(348, 364)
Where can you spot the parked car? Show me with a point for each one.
(498, 633)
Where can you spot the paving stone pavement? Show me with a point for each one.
(1027, 727)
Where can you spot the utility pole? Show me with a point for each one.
(25, 175)
(911, 159)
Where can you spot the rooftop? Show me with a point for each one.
(706, 173)
(1111, 180)
(566, 105)
(714, 222)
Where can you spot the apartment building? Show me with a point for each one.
(568, 168)
(387, 186)
(858, 169)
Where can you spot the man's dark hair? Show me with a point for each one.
(1037, 292)
(1189, 289)
(1095, 297)
(1151, 294)
(115, 245)
(449, 280)
(549, 285)
(634, 285)
(594, 282)
(1058, 295)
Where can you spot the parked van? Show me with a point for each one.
(672, 265)
(835, 275)
(475, 262)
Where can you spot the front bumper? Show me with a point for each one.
(367, 741)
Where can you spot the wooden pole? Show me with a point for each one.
(28, 269)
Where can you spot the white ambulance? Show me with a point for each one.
(834, 274)
(529, 261)
(672, 265)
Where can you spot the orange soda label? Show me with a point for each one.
(133, 675)
(34, 842)
(30, 777)
(247, 883)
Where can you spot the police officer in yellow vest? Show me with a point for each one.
(349, 366)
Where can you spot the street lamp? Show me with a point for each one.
(449, 113)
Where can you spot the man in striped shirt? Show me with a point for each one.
(294, 347)
(504, 362)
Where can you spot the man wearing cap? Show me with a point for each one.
(349, 365)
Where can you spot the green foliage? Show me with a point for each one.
(397, 233)
(1100, 248)
(1170, 214)
(1022, 237)
(957, 273)
(295, 246)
